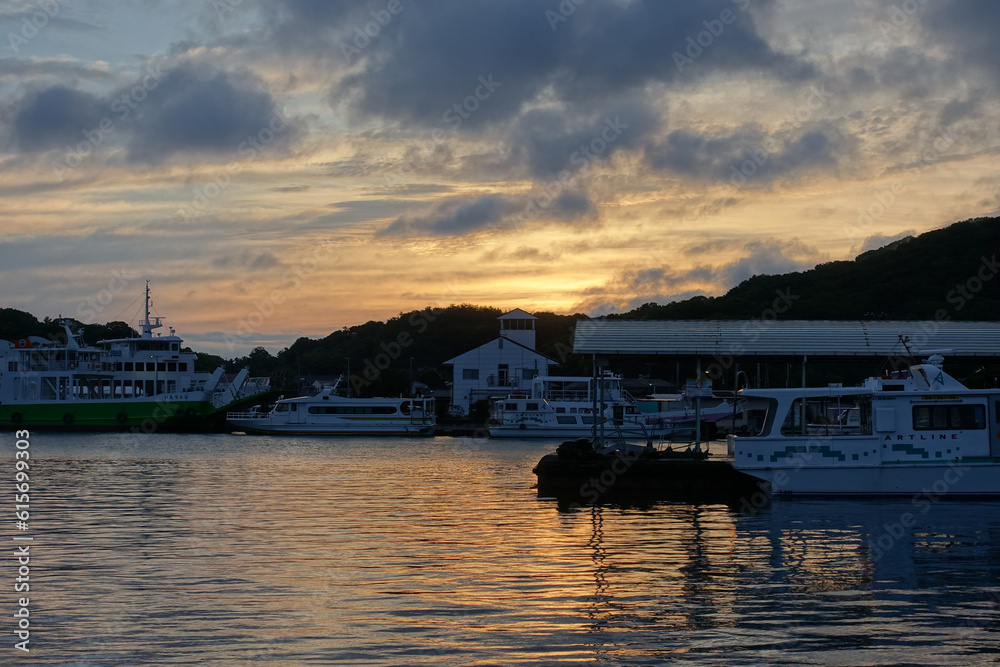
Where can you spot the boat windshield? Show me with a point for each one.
(829, 415)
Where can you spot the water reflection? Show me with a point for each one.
(308, 551)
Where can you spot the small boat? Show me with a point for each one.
(918, 433)
(327, 413)
(565, 407)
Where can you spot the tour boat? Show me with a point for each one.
(327, 413)
(145, 383)
(919, 432)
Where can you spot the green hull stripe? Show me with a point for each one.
(100, 414)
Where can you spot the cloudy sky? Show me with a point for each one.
(289, 167)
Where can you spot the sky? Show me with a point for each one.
(286, 168)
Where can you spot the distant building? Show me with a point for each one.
(496, 368)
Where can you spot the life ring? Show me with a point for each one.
(121, 417)
(73, 365)
(522, 426)
(68, 418)
(15, 417)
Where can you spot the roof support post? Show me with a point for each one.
(697, 409)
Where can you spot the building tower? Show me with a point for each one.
(519, 327)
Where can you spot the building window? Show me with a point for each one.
(470, 373)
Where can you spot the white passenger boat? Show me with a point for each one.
(919, 432)
(327, 413)
(565, 407)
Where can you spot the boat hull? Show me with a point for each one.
(924, 482)
(147, 416)
(267, 427)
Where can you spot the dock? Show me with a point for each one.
(575, 473)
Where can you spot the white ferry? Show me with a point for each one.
(327, 413)
(146, 383)
(919, 432)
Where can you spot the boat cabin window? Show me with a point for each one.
(532, 407)
(281, 407)
(949, 417)
(510, 406)
(829, 416)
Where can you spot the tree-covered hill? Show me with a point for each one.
(950, 273)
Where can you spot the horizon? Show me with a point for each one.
(288, 169)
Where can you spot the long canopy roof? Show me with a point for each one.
(784, 338)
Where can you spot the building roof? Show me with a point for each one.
(819, 338)
(492, 343)
(517, 314)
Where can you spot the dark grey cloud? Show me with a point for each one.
(467, 215)
(188, 109)
(969, 29)
(748, 155)
(53, 117)
(550, 141)
(430, 57)
(200, 109)
(247, 259)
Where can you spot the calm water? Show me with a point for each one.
(235, 550)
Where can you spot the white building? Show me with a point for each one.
(496, 368)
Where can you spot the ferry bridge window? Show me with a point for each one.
(830, 416)
(949, 417)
